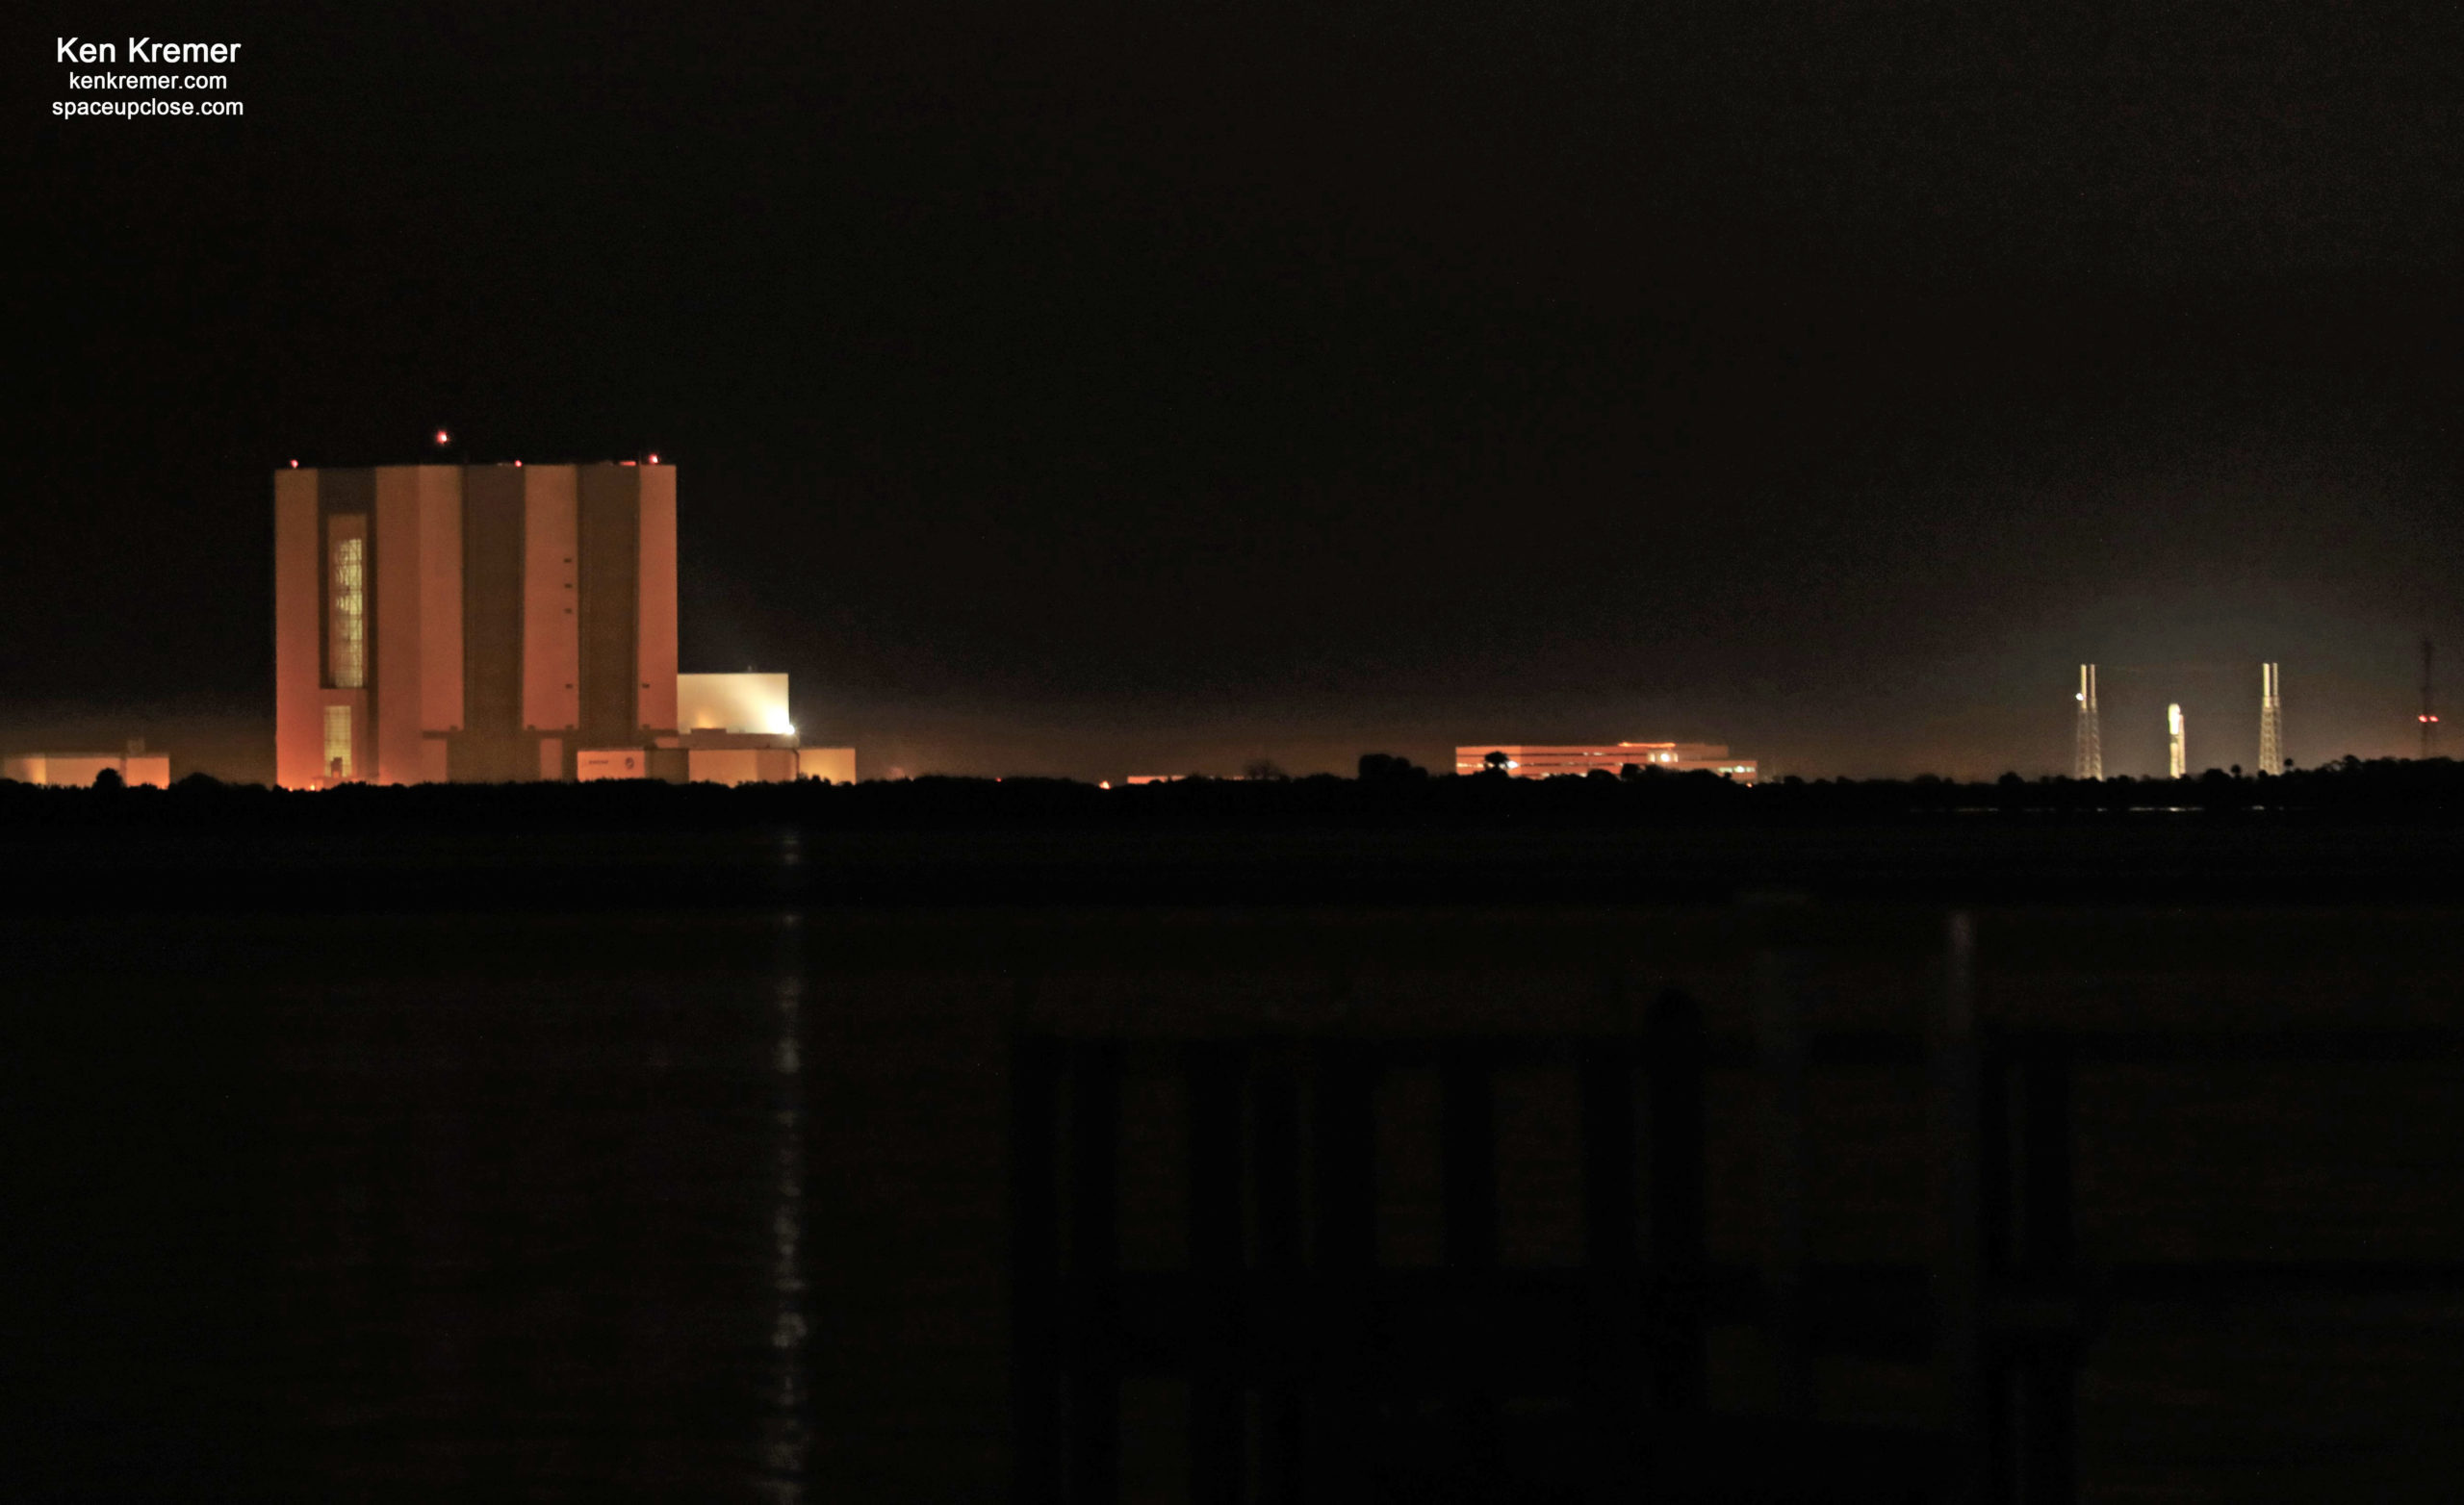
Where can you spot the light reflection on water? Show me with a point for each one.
(787, 1433)
(466, 1206)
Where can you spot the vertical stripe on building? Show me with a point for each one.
(298, 724)
(491, 550)
(610, 556)
(655, 655)
(551, 627)
(491, 746)
(395, 625)
(440, 488)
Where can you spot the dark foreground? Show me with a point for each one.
(1916, 1155)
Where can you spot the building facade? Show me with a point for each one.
(481, 623)
(1523, 761)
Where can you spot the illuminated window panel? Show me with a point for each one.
(348, 650)
(338, 742)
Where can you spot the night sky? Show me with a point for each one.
(1159, 386)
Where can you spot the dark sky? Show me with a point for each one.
(1161, 386)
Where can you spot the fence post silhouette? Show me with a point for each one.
(1675, 1147)
(1344, 1186)
(1037, 1321)
(1272, 1324)
(2038, 1256)
(1956, 1121)
(1468, 1178)
(1219, 1421)
(1780, 1060)
(1611, 1396)
(1093, 1222)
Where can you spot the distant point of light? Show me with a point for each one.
(629, 462)
(1103, 784)
(443, 438)
(295, 465)
(653, 459)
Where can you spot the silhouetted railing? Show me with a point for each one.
(1312, 1371)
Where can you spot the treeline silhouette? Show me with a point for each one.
(1389, 792)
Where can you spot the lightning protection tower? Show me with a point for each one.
(2179, 761)
(2270, 721)
(2088, 761)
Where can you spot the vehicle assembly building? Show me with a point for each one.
(478, 622)
(498, 622)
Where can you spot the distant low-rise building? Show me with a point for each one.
(741, 765)
(735, 730)
(1523, 760)
(829, 765)
(748, 703)
(78, 769)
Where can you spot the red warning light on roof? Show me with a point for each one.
(295, 465)
(443, 438)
